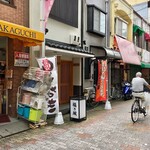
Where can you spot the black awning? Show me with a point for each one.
(64, 47)
(106, 53)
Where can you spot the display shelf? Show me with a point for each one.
(30, 90)
(31, 100)
(29, 106)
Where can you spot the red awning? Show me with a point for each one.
(147, 36)
(127, 50)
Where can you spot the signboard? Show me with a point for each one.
(50, 64)
(21, 59)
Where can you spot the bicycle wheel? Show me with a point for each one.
(92, 101)
(117, 95)
(135, 110)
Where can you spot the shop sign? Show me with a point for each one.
(21, 59)
(74, 110)
(21, 31)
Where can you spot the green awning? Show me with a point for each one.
(137, 29)
(145, 65)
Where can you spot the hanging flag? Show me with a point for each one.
(48, 7)
(101, 89)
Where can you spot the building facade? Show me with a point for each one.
(64, 40)
(15, 38)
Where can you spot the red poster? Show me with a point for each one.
(101, 89)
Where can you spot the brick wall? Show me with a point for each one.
(17, 14)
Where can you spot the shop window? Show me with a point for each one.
(96, 20)
(65, 11)
(146, 45)
(121, 28)
(87, 68)
(136, 39)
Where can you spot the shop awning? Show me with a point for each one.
(66, 49)
(28, 36)
(145, 65)
(103, 52)
(127, 51)
(147, 36)
(137, 29)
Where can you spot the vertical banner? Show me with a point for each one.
(50, 64)
(101, 89)
(48, 7)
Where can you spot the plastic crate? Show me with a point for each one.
(35, 115)
(20, 110)
(26, 112)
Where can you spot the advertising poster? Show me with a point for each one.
(101, 89)
(21, 59)
(50, 64)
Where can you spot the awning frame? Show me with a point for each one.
(109, 53)
(73, 53)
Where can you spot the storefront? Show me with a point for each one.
(70, 69)
(14, 60)
(113, 64)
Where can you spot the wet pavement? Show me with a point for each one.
(103, 130)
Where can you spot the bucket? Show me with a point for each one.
(59, 118)
(26, 98)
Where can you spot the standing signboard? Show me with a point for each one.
(50, 64)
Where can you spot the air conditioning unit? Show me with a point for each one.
(86, 48)
(74, 40)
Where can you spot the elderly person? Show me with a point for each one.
(138, 84)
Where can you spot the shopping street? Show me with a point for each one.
(103, 130)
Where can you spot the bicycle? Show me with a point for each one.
(137, 109)
(89, 93)
(116, 92)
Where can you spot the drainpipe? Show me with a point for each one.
(82, 5)
(42, 26)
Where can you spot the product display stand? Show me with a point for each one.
(31, 100)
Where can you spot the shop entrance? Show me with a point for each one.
(66, 81)
(3, 91)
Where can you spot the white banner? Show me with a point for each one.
(50, 64)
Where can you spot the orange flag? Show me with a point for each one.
(101, 89)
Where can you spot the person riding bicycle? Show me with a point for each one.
(138, 84)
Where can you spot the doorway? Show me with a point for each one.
(3, 91)
(66, 81)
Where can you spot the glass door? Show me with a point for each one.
(3, 91)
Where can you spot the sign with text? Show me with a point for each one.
(50, 64)
(21, 59)
(101, 89)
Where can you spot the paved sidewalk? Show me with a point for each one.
(103, 130)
